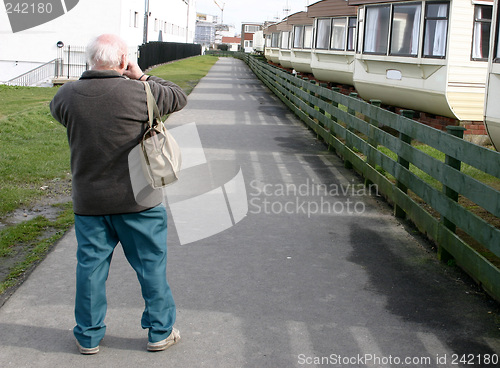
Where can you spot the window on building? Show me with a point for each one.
(268, 40)
(285, 40)
(351, 31)
(405, 29)
(308, 36)
(298, 37)
(436, 30)
(339, 33)
(275, 40)
(482, 31)
(136, 20)
(251, 29)
(376, 33)
(395, 29)
(323, 31)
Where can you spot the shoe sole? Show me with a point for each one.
(162, 347)
(168, 343)
(87, 351)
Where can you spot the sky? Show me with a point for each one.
(238, 11)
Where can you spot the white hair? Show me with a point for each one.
(106, 51)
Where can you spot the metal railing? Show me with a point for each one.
(41, 73)
(70, 63)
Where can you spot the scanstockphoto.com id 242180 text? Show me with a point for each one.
(309, 198)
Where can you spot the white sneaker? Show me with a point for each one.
(172, 339)
(87, 351)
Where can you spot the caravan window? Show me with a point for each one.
(275, 39)
(323, 30)
(298, 37)
(351, 30)
(308, 37)
(285, 40)
(405, 29)
(376, 29)
(339, 33)
(436, 30)
(395, 29)
(482, 28)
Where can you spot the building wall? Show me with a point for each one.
(174, 18)
(22, 51)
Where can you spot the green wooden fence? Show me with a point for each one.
(351, 127)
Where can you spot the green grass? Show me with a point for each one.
(186, 73)
(34, 147)
(28, 239)
(22, 99)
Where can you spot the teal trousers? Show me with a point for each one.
(143, 237)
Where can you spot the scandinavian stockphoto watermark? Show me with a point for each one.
(211, 194)
(309, 198)
(375, 360)
(26, 14)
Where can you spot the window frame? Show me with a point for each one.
(311, 40)
(368, 7)
(391, 30)
(298, 37)
(423, 24)
(488, 39)
(344, 40)
(424, 34)
(287, 46)
(302, 37)
(329, 36)
(496, 38)
(275, 40)
(351, 31)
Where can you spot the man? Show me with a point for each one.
(105, 113)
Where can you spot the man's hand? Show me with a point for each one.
(133, 71)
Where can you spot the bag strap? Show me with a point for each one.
(153, 111)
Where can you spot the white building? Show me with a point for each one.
(20, 52)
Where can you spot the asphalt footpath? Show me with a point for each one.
(310, 270)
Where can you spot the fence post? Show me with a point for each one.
(456, 131)
(334, 118)
(371, 141)
(398, 211)
(312, 105)
(348, 142)
(335, 103)
(69, 57)
(323, 98)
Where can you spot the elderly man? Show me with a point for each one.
(105, 113)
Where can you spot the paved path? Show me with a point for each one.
(316, 273)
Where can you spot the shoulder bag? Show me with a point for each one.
(161, 156)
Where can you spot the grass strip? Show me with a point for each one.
(27, 240)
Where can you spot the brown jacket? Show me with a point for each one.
(106, 115)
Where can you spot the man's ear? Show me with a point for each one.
(124, 62)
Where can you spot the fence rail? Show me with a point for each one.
(352, 127)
